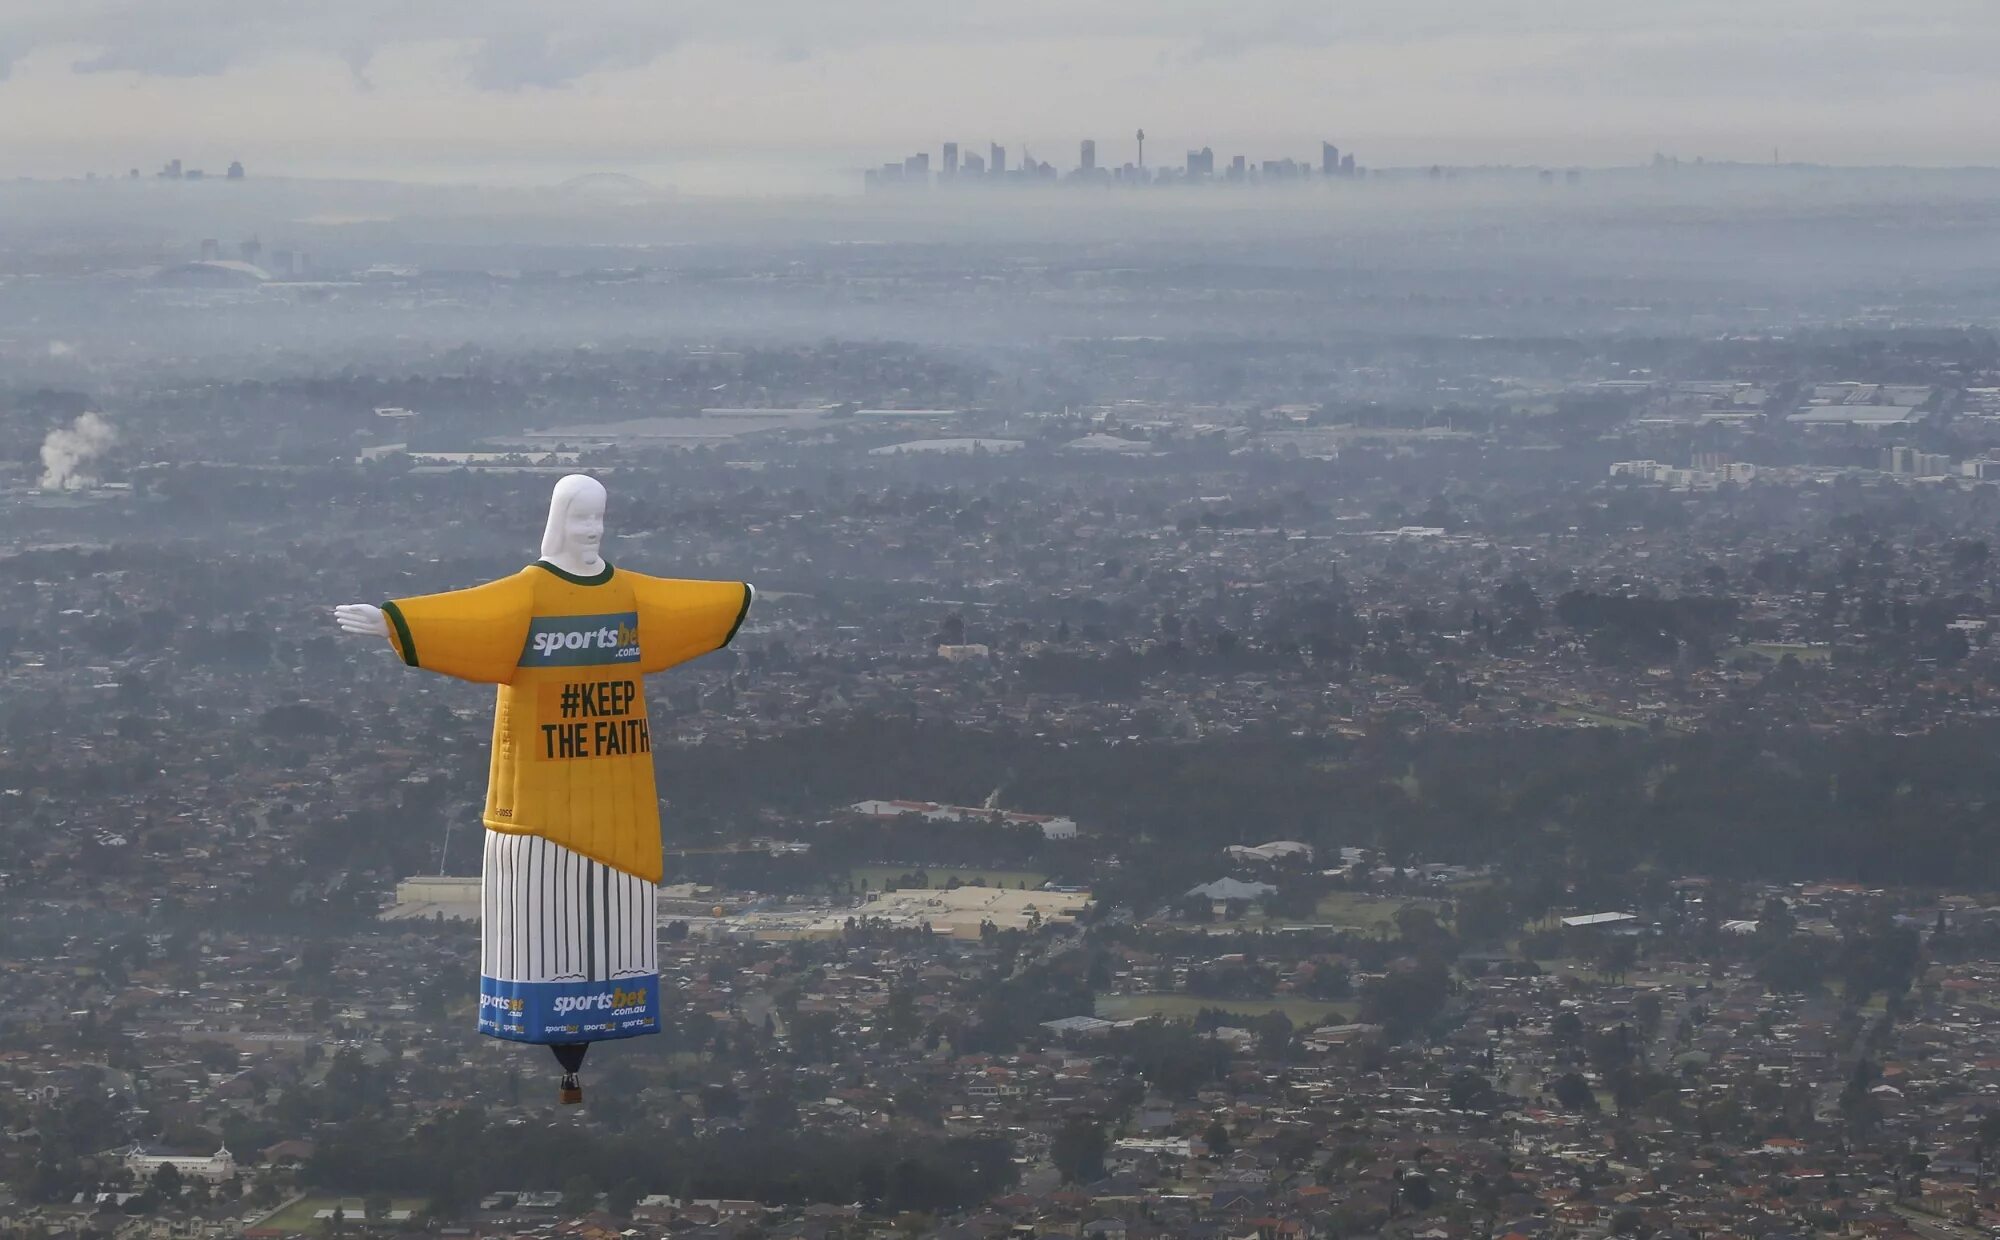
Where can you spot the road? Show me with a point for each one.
(1931, 1228)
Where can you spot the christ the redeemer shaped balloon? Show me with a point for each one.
(568, 954)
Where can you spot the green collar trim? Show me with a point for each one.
(595, 579)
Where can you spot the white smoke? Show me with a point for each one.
(69, 448)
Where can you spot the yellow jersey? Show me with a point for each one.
(572, 750)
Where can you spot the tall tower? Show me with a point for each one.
(951, 159)
(1087, 156)
(1142, 149)
(996, 159)
(1329, 159)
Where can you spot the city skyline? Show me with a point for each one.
(1195, 166)
(370, 89)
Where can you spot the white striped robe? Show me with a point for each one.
(548, 914)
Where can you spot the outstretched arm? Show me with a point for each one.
(474, 634)
(681, 620)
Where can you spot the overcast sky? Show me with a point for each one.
(434, 87)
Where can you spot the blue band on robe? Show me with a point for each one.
(545, 1012)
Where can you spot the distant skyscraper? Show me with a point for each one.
(957, 163)
(236, 170)
(211, 249)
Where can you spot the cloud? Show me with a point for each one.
(1417, 80)
(523, 44)
(1829, 63)
(163, 60)
(539, 58)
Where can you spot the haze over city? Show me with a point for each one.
(779, 97)
(643, 621)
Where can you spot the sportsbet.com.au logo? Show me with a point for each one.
(582, 641)
(617, 1001)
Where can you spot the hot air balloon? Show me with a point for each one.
(568, 949)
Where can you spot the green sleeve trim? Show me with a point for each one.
(403, 638)
(748, 594)
(595, 579)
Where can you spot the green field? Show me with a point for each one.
(1304, 1013)
(1574, 714)
(940, 876)
(1639, 975)
(298, 1216)
(1778, 650)
(1354, 911)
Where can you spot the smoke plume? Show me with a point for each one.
(69, 448)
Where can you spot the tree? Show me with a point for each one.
(375, 1207)
(1078, 1150)
(1573, 1092)
(1216, 1138)
(1484, 915)
(1969, 557)
(621, 1199)
(1775, 922)
(1468, 1090)
(1567, 1027)
(1858, 1104)
(1419, 926)
(1274, 1034)
(1610, 1049)
(580, 1195)
(1616, 956)
(1646, 1011)
(1405, 1001)
(1915, 1163)
(1795, 966)
(167, 1182)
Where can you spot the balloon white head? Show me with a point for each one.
(575, 531)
